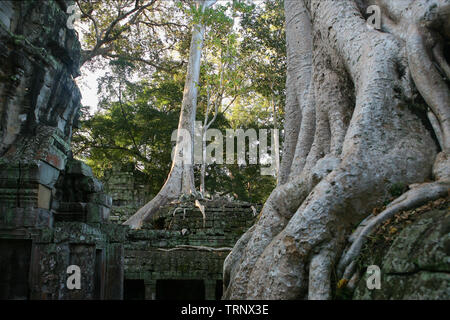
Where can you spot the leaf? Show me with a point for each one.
(342, 283)
(393, 230)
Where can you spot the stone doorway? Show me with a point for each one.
(14, 269)
(219, 290)
(134, 289)
(180, 290)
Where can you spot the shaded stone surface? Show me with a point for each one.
(178, 244)
(53, 212)
(417, 263)
(39, 57)
(129, 190)
(14, 264)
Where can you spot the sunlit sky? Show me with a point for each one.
(88, 86)
(87, 82)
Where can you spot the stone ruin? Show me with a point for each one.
(184, 246)
(54, 213)
(129, 190)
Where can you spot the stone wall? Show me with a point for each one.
(40, 58)
(129, 191)
(53, 211)
(413, 253)
(181, 244)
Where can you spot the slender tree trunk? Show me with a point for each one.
(350, 135)
(203, 167)
(181, 176)
(276, 146)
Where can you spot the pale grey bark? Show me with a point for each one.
(357, 137)
(276, 138)
(181, 177)
(299, 110)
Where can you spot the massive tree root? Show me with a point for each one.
(357, 136)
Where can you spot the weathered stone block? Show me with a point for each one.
(115, 232)
(76, 232)
(101, 198)
(48, 175)
(25, 217)
(416, 264)
(77, 167)
(44, 197)
(90, 185)
(423, 245)
(97, 213)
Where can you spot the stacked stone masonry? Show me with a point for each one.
(53, 212)
(182, 244)
(129, 191)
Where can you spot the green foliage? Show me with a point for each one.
(134, 129)
(243, 71)
(264, 45)
(245, 183)
(145, 33)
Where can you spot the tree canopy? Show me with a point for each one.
(143, 47)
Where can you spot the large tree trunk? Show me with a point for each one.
(181, 176)
(351, 133)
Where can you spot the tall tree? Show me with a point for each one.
(133, 126)
(181, 177)
(142, 32)
(135, 117)
(356, 124)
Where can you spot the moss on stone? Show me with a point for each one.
(412, 250)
